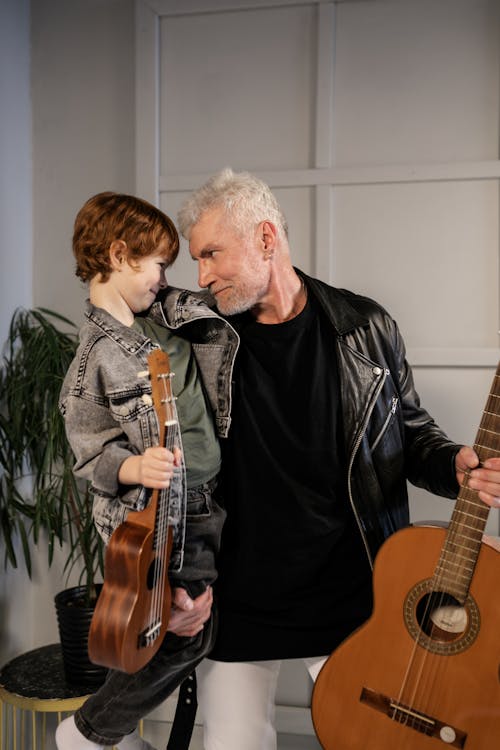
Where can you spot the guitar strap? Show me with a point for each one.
(185, 713)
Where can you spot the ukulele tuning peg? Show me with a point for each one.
(143, 374)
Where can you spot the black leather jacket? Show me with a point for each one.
(389, 437)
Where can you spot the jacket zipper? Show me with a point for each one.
(353, 454)
(394, 406)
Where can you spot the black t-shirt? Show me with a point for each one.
(294, 576)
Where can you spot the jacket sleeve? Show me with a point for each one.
(429, 453)
(99, 446)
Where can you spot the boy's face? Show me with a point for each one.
(140, 283)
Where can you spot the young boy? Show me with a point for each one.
(122, 247)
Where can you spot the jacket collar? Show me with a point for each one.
(343, 316)
(125, 336)
(178, 306)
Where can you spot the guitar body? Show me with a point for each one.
(396, 685)
(123, 617)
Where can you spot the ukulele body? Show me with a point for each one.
(132, 612)
(383, 690)
(123, 634)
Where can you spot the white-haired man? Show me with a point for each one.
(325, 429)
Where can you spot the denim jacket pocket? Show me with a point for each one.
(136, 414)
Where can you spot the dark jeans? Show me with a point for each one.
(117, 707)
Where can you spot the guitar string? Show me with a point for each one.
(428, 669)
(418, 683)
(425, 686)
(466, 533)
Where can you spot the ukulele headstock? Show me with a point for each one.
(161, 387)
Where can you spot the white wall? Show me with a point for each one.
(67, 132)
(15, 159)
(83, 128)
(15, 256)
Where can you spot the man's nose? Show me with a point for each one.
(204, 275)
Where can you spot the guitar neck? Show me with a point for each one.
(463, 541)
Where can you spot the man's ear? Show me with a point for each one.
(117, 254)
(267, 237)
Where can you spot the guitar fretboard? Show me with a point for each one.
(463, 540)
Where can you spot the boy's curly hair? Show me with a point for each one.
(109, 216)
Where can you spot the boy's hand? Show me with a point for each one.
(157, 467)
(154, 469)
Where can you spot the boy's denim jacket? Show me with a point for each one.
(109, 415)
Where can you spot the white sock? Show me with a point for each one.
(134, 742)
(68, 737)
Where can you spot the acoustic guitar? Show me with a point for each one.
(132, 612)
(423, 672)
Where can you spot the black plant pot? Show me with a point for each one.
(73, 618)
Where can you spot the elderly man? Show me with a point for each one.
(326, 428)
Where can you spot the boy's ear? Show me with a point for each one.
(117, 254)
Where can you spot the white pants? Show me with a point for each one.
(236, 702)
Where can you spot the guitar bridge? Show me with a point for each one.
(149, 636)
(414, 719)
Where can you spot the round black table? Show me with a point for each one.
(35, 682)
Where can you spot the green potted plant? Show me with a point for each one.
(40, 498)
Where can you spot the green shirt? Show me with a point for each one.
(199, 440)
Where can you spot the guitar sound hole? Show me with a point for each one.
(154, 574)
(438, 622)
(441, 616)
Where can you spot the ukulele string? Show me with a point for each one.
(161, 522)
(171, 423)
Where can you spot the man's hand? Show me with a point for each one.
(485, 478)
(188, 615)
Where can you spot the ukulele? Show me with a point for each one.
(132, 611)
(423, 672)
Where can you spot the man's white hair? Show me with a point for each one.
(243, 197)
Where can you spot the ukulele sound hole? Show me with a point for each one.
(438, 622)
(154, 574)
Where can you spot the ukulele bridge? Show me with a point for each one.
(414, 719)
(149, 636)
